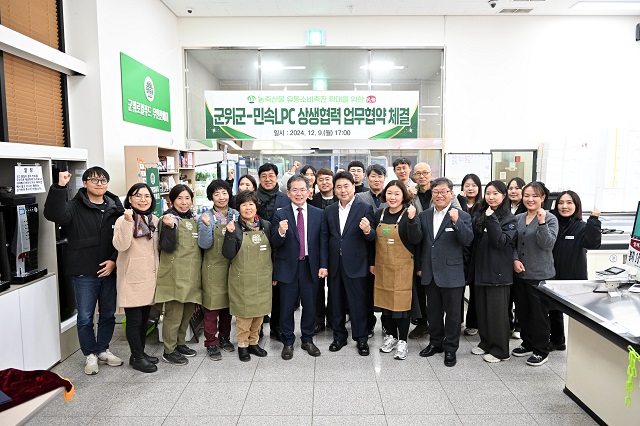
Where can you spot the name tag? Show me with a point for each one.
(570, 237)
(263, 247)
(391, 241)
(194, 234)
(448, 229)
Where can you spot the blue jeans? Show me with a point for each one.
(89, 290)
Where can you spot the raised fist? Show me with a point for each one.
(167, 219)
(206, 219)
(231, 226)
(411, 212)
(454, 215)
(284, 225)
(128, 215)
(365, 225)
(489, 211)
(64, 178)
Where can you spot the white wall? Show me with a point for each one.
(198, 79)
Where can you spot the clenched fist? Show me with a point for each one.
(64, 178)
(128, 215)
(542, 215)
(454, 215)
(206, 219)
(411, 212)
(365, 225)
(231, 226)
(167, 219)
(284, 225)
(489, 211)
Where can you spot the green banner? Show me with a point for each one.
(145, 95)
(153, 180)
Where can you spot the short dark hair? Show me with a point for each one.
(250, 179)
(401, 160)
(519, 181)
(343, 175)
(177, 190)
(406, 196)
(377, 169)
(95, 171)
(134, 190)
(266, 167)
(576, 200)
(442, 181)
(298, 178)
(304, 169)
(245, 197)
(538, 187)
(216, 185)
(324, 171)
(356, 163)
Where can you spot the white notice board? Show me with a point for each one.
(456, 166)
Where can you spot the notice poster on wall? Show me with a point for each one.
(28, 179)
(305, 115)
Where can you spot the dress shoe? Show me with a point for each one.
(143, 365)
(257, 351)
(319, 328)
(449, 359)
(243, 354)
(287, 352)
(335, 346)
(276, 334)
(363, 348)
(430, 350)
(419, 331)
(310, 348)
(151, 359)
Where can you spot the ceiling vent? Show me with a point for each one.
(514, 11)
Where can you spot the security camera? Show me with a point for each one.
(190, 10)
(491, 3)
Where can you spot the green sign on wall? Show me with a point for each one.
(145, 95)
(153, 180)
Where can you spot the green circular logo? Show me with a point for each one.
(386, 231)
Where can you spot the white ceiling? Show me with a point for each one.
(223, 8)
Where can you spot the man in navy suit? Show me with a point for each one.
(346, 232)
(296, 239)
(446, 230)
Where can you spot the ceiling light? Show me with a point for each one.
(288, 84)
(606, 5)
(372, 84)
(274, 65)
(382, 65)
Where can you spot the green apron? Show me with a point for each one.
(215, 270)
(179, 272)
(250, 277)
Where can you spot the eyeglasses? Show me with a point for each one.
(298, 190)
(531, 196)
(96, 181)
(421, 173)
(142, 197)
(443, 193)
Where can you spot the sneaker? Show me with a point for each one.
(186, 350)
(214, 353)
(389, 344)
(401, 350)
(175, 358)
(419, 331)
(515, 334)
(521, 351)
(537, 360)
(477, 350)
(470, 331)
(226, 345)
(91, 366)
(492, 359)
(108, 358)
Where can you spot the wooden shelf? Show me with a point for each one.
(168, 173)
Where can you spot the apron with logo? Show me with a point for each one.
(215, 270)
(394, 269)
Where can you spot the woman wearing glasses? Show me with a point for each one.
(179, 286)
(533, 262)
(135, 237)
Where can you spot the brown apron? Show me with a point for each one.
(394, 269)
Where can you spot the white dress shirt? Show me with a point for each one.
(343, 213)
(438, 217)
(304, 216)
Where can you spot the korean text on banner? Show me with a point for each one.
(29, 180)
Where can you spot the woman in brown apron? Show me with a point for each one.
(246, 245)
(397, 233)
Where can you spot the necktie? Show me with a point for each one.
(300, 233)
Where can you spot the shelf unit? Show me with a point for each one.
(183, 170)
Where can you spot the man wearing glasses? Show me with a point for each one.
(445, 232)
(88, 219)
(295, 235)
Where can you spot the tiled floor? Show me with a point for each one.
(340, 388)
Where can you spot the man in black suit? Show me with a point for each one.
(296, 239)
(446, 230)
(346, 231)
(270, 200)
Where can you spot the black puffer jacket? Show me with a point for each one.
(90, 232)
(570, 250)
(493, 249)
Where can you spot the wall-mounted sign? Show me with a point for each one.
(28, 179)
(145, 95)
(301, 115)
(153, 180)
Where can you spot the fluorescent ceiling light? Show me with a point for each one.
(606, 5)
(274, 65)
(373, 84)
(382, 65)
(288, 84)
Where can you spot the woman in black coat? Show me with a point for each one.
(492, 262)
(570, 252)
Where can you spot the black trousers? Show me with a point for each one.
(444, 330)
(493, 320)
(556, 327)
(472, 320)
(137, 329)
(304, 287)
(371, 318)
(274, 322)
(349, 292)
(533, 316)
(323, 304)
(422, 301)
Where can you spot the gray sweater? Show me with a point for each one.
(534, 247)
